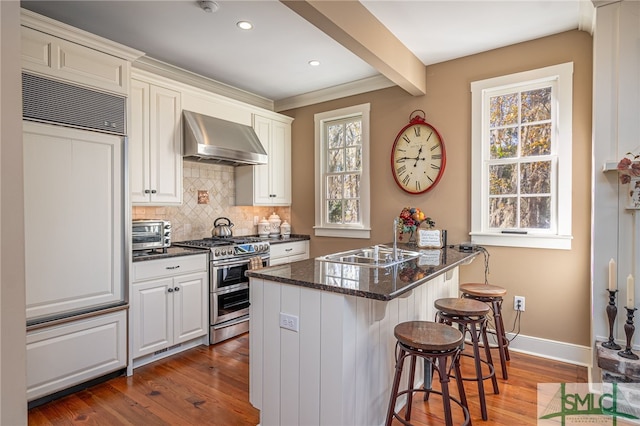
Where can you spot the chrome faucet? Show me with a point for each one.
(395, 239)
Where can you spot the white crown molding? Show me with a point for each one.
(336, 92)
(190, 78)
(586, 16)
(67, 32)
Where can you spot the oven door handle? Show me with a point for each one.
(234, 262)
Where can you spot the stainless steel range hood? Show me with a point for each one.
(220, 141)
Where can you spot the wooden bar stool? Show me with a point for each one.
(491, 294)
(471, 316)
(436, 343)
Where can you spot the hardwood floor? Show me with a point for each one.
(210, 386)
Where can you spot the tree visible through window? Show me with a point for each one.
(344, 167)
(342, 173)
(521, 159)
(520, 128)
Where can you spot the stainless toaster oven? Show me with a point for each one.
(147, 234)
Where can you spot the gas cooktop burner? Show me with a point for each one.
(229, 247)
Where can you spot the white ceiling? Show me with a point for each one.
(272, 59)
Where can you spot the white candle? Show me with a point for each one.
(630, 292)
(613, 285)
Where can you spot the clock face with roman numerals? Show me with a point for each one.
(418, 157)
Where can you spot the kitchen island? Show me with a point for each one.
(321, 334)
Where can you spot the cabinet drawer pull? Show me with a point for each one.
(289, 249)
(173, 267)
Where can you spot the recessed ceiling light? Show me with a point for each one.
(314, 63)
(245, 25)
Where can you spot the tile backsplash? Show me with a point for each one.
(192, 220)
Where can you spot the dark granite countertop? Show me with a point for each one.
(172, 251)
(372, 283)
(175, 251)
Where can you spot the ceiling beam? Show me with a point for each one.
(353, 26)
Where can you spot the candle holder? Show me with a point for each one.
(629, 328)
(612, 311)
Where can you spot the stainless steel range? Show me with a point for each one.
(228, 287)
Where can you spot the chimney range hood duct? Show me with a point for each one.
(220, 141)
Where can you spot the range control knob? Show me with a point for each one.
(217, 252)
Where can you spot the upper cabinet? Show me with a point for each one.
(69, 54)
(155, 140)
(270, 184)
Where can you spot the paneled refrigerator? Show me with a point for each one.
(75, 234)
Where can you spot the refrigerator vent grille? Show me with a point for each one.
(52, 101)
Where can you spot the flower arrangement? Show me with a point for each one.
(628, 167)
(411, 217)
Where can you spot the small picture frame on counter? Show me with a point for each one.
(431, 238)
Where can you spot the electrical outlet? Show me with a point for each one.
(518, 303)
(289, 322)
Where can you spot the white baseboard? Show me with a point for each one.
(559, 351)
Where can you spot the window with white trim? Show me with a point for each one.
(521, 159)
(342, 173)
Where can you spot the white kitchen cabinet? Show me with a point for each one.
(270, 184)
(71, 353)
(155, 144)
(169, 303)
(288, 252)
(72, 62)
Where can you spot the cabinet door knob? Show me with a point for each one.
(176, 288)
(153, 191)
(170, 290)
(146, 191)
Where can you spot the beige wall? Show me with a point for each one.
(554, 282)
(13, 381)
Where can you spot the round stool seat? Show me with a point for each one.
(462, 307)
(428, 336)
(483, 290)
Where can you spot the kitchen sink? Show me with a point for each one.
(379, 256)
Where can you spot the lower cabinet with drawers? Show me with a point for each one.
(169, 306)
(288, 252)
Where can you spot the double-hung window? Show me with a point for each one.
(521, 159)
(342, 173)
